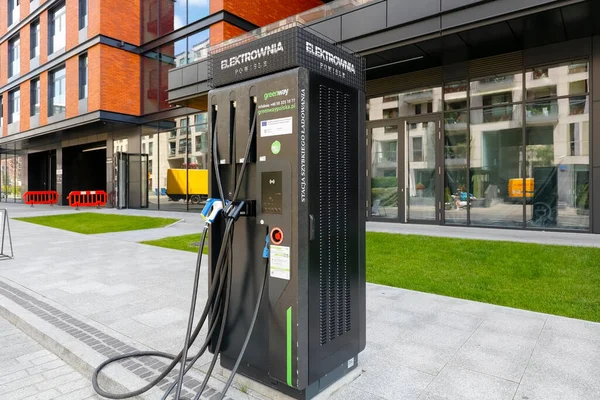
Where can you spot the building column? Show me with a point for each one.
(59, 176)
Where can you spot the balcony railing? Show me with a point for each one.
(385, 157)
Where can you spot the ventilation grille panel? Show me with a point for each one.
(335, 165)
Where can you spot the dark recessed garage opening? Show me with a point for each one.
(84, 168)
(41, 173)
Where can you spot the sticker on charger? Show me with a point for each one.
(279, 262)
(279, 126)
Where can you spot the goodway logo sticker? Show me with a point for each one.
(252, 55)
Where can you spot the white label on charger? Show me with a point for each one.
(275, 127)
(279, 262)
(262, 158)
(351, 363)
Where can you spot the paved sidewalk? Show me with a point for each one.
(30, 372)
(90, 296)
(509, 235)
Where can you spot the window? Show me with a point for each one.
(83, 76)
(57, 29)
(429, 108)
(14, 106)
(57, 92)
(172, 146)
(418, 109)
(14, 11)
(574, 138)
(417, 149)
(34, 96)
(83, 14)
(34, 42)
(150, 148)
(14, 56)
(1, 110)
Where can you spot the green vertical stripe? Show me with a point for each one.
(289, 346)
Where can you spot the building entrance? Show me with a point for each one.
(406, 169)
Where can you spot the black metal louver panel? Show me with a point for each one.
(334, 191)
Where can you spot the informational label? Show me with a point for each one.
(59, 172)
(350, 363)
(279, 261)
(274, 127)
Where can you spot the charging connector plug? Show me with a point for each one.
(266, 249)
(211, 210)
(235, 210)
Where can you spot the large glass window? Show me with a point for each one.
(14, 11)
(557, 149)
(83, 76)
(384, 172)
(14, 56)
(57, 92)
(14, 106)
(34, 39)
(163, 16)
(418, 102)
(83, 14)
(1, 110)
(34, 97)
(457, 194)
(496, 90)
(57, 28)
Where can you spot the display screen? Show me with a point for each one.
(271, 193)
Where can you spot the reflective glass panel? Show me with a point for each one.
(457, 196)
(557, 81)
(496, 155)
(557, 166)
(384, 172)
(495, 90)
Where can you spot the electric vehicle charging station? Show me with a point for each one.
(296, 101)
(286, 216)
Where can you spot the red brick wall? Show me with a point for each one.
(263, 12)
(222, 31)
(25, 89)
(43, 38)
(24, 37)
(24, 9)
(93, 18)
(259, 12)
(43, 98)
(120, 77)
(94, 83)
(72, 71)
(124, 24)
(3, 17)
(72, 38)
(3, 63)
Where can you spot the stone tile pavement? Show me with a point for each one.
(419, 346)
(30, 372)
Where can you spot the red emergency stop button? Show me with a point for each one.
(276, 236)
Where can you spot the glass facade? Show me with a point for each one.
(58, 29)
(514, 151)
(161, 17)
(11, 176)
(177, 151)
(157, 63)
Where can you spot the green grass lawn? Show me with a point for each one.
(185, 242)
(551, 279)
(90, 223)
(558, 280)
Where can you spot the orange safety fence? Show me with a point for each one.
(87, 198)
(41, 197)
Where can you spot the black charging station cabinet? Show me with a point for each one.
(306, 176)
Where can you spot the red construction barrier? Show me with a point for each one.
(41, 197)
(88, 198)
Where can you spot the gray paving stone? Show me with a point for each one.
(496, 354)
(162, 317)
(20, 394)
(455, 383)
(47, 395)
